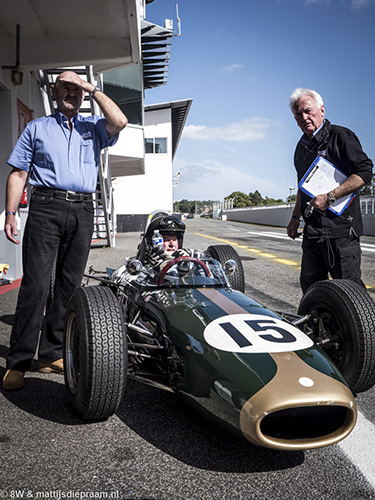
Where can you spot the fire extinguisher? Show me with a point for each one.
(23, 202)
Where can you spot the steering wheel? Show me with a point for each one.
(182, 259)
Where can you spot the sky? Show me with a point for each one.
(239, 61)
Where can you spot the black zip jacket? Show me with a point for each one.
(340, 146)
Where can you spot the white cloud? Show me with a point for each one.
(232, 67)
(213, 180)
(355, 4)
(358, 4)
(249, 129)
(319, 2)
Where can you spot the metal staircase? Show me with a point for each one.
(104, 218)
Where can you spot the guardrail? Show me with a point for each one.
(368, 205)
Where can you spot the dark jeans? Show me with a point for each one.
(54, 227)
(339, 257)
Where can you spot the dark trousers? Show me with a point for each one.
(338, 257)
(56, 231)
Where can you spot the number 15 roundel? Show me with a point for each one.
(254, 333)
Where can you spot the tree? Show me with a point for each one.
(185, 206)
(192, 206)
(245, 200)
(291, 199)
(240, 199)
(368, 190)
(273, 201)
(256, 198)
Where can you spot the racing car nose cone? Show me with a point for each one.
(309, 410)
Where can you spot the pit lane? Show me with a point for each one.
(156, 447)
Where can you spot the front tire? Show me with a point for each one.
(347, 313)
(223, 253)
(95, 352)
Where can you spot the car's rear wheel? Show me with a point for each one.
(95, 352)
(343, 324)
(223, 253)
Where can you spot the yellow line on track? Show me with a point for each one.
(286, 262)
(268, 255)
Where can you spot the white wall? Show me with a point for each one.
(29, 94)
(142, 194)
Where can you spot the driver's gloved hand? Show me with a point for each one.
(156, 257)
(181, 252)
(183, 268)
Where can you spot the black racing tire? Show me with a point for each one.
(95, 352)
(222, 253)
(348, 315)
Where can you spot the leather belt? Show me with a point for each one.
(64, 195)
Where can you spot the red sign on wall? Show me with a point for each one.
(24, 114)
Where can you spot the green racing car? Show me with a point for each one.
(285, 381)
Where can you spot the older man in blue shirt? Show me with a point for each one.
(59, 155)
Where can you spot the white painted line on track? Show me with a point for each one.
(366, 247)
(272, 235)
(359, 448)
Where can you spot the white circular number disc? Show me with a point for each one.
(254, 333)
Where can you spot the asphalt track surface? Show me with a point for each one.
(156, 447)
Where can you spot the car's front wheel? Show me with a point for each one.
(223, 253)
(95, 352)
(343, 324)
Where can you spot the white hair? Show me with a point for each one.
(299, 93)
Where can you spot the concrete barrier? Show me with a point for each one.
(279, 215)
(268, 215)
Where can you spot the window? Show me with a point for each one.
(124, 86)
(149, 145)
(158, 145)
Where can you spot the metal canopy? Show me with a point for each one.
(156, 51)
(70, 33)
(180, 111)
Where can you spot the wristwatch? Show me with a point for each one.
(331, 198)
(95, 89)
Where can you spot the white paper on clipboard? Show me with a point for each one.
(323, 177)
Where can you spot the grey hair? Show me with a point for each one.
(299, 93)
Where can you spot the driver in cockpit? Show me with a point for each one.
(172, 230)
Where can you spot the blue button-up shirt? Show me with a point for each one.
(59, 158)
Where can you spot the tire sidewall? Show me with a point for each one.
(76, 307)
(355, 311)
(328, 300)
(223, 253)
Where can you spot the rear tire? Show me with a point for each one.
(95, 352)
(222, 253)
(348, 315)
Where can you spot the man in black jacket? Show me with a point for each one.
(330, 241)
